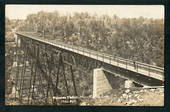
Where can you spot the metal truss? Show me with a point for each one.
(42, 74)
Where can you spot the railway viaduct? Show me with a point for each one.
(49, 59)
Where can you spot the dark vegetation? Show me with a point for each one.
(9, 54)
(139, 39)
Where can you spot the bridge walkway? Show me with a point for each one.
(135, 66)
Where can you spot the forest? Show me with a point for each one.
(139, 39)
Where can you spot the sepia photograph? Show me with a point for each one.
(84, 55)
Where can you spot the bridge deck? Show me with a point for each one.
(142, 68)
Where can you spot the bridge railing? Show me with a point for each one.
(127, 62)
(121, 62)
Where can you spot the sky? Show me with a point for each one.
(127, 11)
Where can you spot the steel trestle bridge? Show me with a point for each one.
(49, 59)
